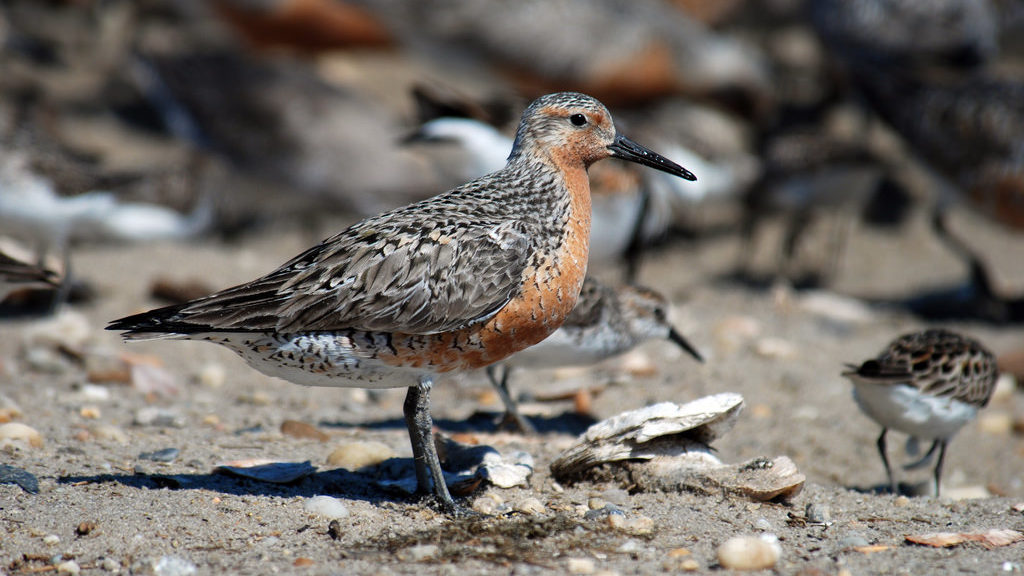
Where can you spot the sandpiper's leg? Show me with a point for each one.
(424, 453)
(924, 459)
(512, 418)
(885, 461)
(938, 465)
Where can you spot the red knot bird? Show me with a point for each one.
(927, 384)
(607, 321)
(455, 282)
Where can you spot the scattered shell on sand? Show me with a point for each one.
(268, 470)
(750, 552)
(13, 475)
(663, 429)
(666, 447)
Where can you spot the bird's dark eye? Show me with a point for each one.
(578, 119)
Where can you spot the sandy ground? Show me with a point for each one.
(764, 344)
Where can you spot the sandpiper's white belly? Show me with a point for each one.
(906, 409)
(346, 360)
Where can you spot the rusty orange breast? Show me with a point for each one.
(549, 292)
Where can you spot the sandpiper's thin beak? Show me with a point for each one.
(676, 337)
(626, 149)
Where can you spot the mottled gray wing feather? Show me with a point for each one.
(380, 281)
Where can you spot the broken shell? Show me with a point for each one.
(268, 470)
(664, 429)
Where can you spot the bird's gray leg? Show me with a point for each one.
(924, 459)
(512, 418)
(885, 461)
(428, 466)
(938, 465)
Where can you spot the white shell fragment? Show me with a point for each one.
(468, 464)
(504, 472)
(326, 506)
(750, 552)
(268, 470)
(666, 447)
(663, 429)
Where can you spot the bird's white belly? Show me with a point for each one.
(563, 348)
(346, 360)
(906, 409)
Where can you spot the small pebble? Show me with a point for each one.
(633, 525)
(153, 416)
(297, 429)
(109, 433)
(334, 530)
(89, 412)
(173, 566)
(604, 511)
(596, 503)
(818, 513)
(750, 552)
(762, 524)
(51, 539)
(110, 565)
(68, 567)
(356, 455)
(853, 541)
(302, 562)
(489, 504)
(530, 506)
(996, 423)
(631, 546)
(18, 434)
(679, 552)
(23, 478)
(901, 501)
(422, 552)
(211, 376)
(326, 506)
(689, 565)
(85, 528)
(95, 392)
(581, 566)
(164, 455)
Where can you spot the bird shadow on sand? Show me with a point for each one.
(358, 485)
(571, 423)
(904, 489)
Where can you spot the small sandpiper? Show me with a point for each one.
(927, 384)
(455, 282)
(607, 321)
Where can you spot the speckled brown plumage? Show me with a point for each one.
(927, 384)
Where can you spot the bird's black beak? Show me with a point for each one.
(626, 149)
(676, 337)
